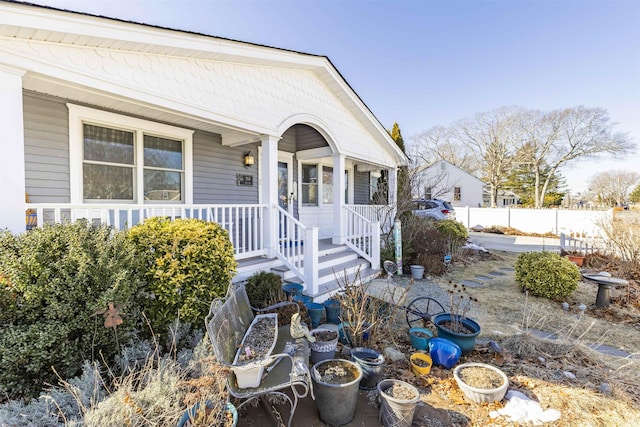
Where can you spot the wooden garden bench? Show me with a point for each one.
(227, 323)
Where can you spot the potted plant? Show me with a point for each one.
(455, 325)
(398, 401)
(255, 349)
(481, 382)
(336, 388)
(324, 347)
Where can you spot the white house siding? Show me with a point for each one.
(46, 145)
(214, 90)
(443, 180)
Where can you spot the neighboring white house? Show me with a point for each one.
(443, 180)
(505, 198)
(117, 121)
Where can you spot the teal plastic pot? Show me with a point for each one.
(420, 338)
(465, 341)
(292, 289)
(304, 299)
(315, 313)
(332, 307)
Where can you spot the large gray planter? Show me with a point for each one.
(336, 400)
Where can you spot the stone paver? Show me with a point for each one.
(496, 273)
(471, 283)
(483, 278)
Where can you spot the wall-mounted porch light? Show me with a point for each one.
(249, 160)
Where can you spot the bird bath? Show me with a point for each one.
(604, 281)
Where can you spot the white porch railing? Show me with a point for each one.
(298, 248)
(243, 222)
(363, 236)
(583, 244)
(384, 214)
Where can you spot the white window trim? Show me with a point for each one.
(321, 163)
(78, 115)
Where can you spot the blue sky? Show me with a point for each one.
(424, 63)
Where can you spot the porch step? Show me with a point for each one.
(249, 266)
(327, 290)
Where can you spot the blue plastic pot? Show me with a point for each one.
(332, 307)
(420, 342)
(315, 313)
(444, 352)
(292, 289)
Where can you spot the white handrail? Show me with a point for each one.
(298, 248)
(363, 236)
(243, 222)
(384, 214)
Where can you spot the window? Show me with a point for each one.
(310, 185)
(457, 191)
(123, 159)
(427, 192)
(327, 185)
(346, 187)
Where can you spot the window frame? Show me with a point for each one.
(457, 194)
(79, 115)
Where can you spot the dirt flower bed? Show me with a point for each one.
(562, 372)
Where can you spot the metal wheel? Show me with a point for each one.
(421, 310)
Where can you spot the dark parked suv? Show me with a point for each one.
(433, 208)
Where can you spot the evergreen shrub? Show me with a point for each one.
(54, 281)
(188, 263)
(546, 274)
(264, 289)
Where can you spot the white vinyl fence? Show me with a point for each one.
(556, 221)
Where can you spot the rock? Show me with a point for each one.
(605, 388)
(393, 354)
(582, 307)
(541, 359)
(569, 375)
(565, 306)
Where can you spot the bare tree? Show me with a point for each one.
(438, 143)
(577, 133)
(492, 138)
(613, 187)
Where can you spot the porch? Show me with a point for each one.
(298, 254)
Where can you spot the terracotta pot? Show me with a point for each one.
(576, 259)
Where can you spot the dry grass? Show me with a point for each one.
(564, 373)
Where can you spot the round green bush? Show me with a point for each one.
(264, 289)
(188, 263)
(546, 274)
(54, 282)
(452, 229)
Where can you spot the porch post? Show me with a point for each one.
(339, 185)
(12, 176)
(393, 186)
(269, 178)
